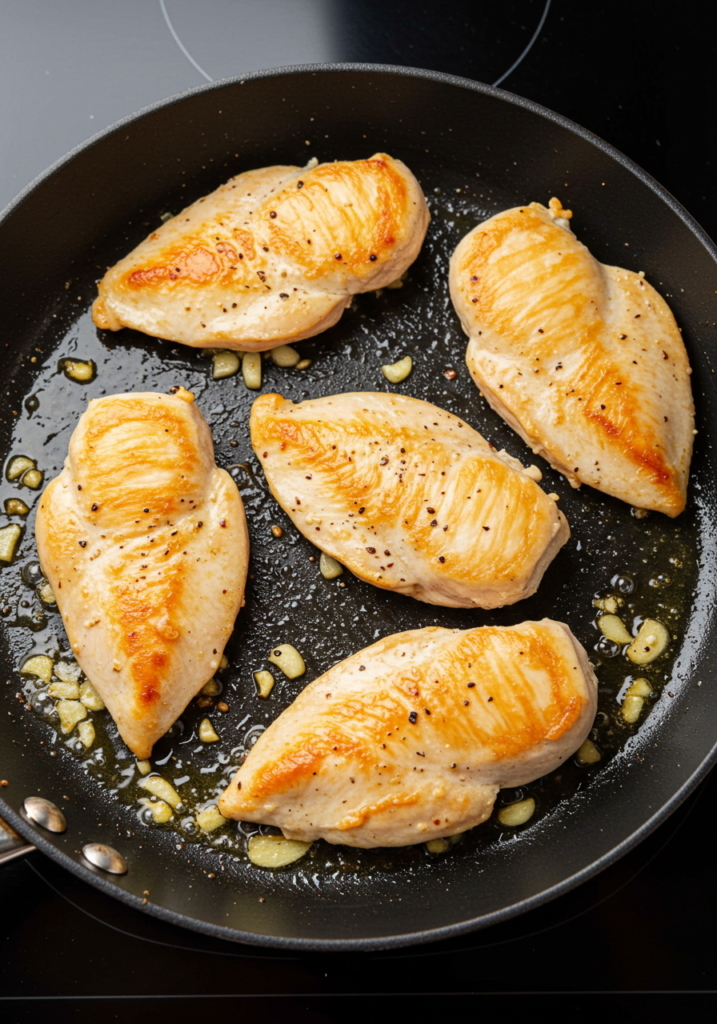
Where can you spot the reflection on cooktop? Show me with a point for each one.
(75, 68)
(476, 41)
(69, 70)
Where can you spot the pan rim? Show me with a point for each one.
(405, 71)
(514, 909)
(378, 943)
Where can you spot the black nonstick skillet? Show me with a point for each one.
(476, 150)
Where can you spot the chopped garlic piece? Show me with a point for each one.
(518, 813)
(9, 536)
(68, 673)
(649, 643)
(223, 661)
(207, 733)
(440, 845)
(33, 478)
(226, 364)
(640, 688)
(210, 819)
(212, 688)
(329, 567)
(632, 708)
(162, 789)
(71, 712)
(90, 697)
(634, 700)
(265, 682)
(19, 465)
(16, 507)
(303, 364)
(396, 372)
(437, 845)
(46, 594)
(82, 372)
(160, 811)
(614, 629)
(86, 732)
(251, 370)
(275, 851)
(67, 691)
(288, 660)
(285, 355)
(144, 767)
(39, 665)
(588, 753)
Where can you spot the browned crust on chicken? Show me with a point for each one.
(408, 497)
(584, 361)
(412, 738)
(145, 545)
(274, 255)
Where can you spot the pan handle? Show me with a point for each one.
(11, 844)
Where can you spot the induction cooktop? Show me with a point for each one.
(70, 68)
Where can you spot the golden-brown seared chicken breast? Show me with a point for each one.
(584, 361)
(272, 256)
(145, 544)
(408, 497)
(412, 738)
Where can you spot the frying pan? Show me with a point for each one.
(475, 150)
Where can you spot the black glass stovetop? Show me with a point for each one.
(642, 75)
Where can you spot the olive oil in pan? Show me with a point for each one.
(638, 567)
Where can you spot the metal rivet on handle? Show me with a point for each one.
(105, 858)
(45, 814)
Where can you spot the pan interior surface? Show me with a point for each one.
(475, 152)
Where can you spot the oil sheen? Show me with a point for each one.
(649, 565)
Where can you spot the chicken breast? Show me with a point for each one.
(274, 255)
(408, 497)
(411, 739)
(584, 361)
(145, 545)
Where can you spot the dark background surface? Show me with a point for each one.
(644, 77)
